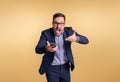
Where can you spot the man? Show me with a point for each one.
(55, 44)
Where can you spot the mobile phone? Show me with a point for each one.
(52, 45)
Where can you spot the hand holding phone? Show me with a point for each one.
(52, 45)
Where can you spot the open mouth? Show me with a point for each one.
(58, 31)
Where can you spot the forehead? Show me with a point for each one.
(59, 19)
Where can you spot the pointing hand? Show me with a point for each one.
(72, 38)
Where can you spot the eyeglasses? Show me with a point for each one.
(56, 24)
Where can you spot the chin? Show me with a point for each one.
(58, 33)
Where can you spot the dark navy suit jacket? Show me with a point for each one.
(48, 35)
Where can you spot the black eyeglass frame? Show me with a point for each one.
(56, 23)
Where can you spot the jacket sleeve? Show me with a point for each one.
(82, 39)
(40, 48)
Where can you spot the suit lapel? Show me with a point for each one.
(65, 35)
(52, 38)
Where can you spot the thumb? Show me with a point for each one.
(48, 43)
(74, 32)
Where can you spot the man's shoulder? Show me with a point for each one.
(68, 29)
(49, 30)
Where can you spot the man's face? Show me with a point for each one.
(58, 25)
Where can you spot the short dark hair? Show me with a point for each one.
(58, 15)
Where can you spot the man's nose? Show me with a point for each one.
(58, 25)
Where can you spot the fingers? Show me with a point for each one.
(70, 38)
(67, 39)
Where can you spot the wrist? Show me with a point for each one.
(77, 39)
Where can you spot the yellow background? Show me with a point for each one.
(21, 23)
